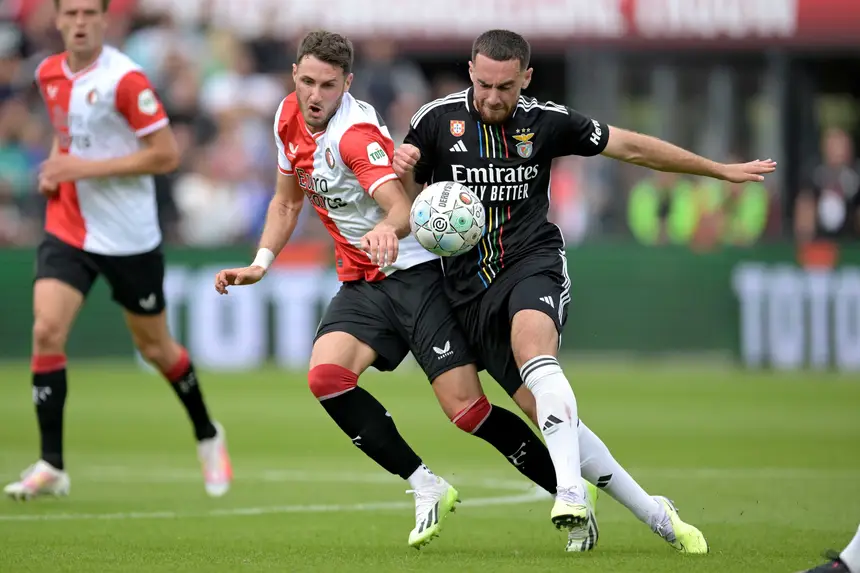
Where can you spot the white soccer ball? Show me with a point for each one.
(448, 219)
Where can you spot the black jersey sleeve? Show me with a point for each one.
(422, 134)
(576, 134)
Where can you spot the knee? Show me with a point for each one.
(330, 380)
(470, 418)
(533, 333)
(155, 353)
(49, 336)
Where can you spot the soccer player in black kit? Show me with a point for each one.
(511, 292)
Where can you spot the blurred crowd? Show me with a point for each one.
(221, 93)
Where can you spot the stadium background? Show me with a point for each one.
(720, 284)
(730, 80)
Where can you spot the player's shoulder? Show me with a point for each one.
(51, 68)
(543, 109)
(434, 110)
(287, 113)
(354, 114)
(114, 65)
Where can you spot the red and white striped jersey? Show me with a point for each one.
(99, 113)
(339, 169)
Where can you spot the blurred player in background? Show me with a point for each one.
(112, 135)
(336, 150)
(511, 292)
(848, 561)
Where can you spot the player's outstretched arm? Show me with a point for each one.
(659, 155)
(281, 219)
(159, 154)
(382, 243)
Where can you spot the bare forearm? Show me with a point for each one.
(398, 219)
(412, 187)
(149, 161)
(653, 153)
(281, 220)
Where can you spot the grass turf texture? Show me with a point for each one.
(767, 465)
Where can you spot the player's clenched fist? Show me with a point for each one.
(47, 187)
(405, 159)
(238, 277)
(381, 244)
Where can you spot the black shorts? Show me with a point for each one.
(406, 312)
(136, 281)
(538, 283)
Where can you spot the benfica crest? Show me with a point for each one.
(524, 147)
(458, 128)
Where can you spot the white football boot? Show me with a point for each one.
(583, 537)
(40, 479)
(433, 503)
(215, 462)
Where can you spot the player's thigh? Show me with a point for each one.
(427, 320)
(359, 318)
(136, 281)
(537, 307)
(485, 321)
(64, 276)
(344, 350)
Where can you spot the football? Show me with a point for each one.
(448, 219)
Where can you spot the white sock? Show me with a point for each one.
(851, 554)
(421, 478)
(601, 469)
(557, 418)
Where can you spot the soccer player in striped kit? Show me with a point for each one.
(111, 136)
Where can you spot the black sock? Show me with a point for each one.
(49, 395)
(372, 429)
(188, 390)
(513, 437)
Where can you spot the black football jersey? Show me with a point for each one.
(508, 167)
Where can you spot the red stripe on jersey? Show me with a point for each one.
(351, 262)
(63, 216)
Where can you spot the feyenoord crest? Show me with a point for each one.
(329, 158)
(524, 147)
(458, 128)
(93, 97)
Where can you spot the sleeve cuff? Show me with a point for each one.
(380, 181)
(152, 127)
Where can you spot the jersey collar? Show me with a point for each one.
(74, 75)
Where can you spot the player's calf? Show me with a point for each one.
(152, 338)
(362, 418)
(461, 397)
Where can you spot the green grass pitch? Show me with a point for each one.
(767, 465)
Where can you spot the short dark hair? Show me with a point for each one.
(105, 5)
(502, 45)
(328, 47)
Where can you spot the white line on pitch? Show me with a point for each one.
(268, 510)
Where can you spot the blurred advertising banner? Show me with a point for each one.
(694, 22)
(757, 306)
